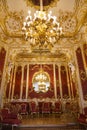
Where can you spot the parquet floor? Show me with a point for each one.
(40, 120)
(49, 122)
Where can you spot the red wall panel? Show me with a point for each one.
(24, 82)
(57, 81)
(82, 72)
(64, 82)
(2, 61)
(18, 82)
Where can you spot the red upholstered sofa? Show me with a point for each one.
(82, 117)
(8, 118)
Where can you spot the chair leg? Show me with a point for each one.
(12, 127)
(0, 126)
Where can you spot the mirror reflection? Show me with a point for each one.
(41, 81)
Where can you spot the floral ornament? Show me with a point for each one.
(83, 75)
(68, 21)
(69, 25)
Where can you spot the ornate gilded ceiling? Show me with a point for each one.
(72, 16)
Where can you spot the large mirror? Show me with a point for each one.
(41, 81)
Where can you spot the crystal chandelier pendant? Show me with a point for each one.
(43, 29)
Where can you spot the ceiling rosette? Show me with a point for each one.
(46, 3)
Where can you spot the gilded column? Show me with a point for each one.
(81, 103)
(83, 57)
(68, 82)
(60, 83)
(72, 95)
(11, 83)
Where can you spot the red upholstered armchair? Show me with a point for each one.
(24, 110)
(46, 108)
(57, 107)
(8, 118)
(33, 108)
(82, 118)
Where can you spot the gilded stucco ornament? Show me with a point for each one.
(67, 21)
(80, 15)
(83, 75)
(13, 23)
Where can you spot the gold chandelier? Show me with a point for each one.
(43, 29)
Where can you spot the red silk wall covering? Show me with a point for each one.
(82, 73)
(32, 70)
(85, 53)
(64, 82)
(2, 61)
(57, 81)
(18, 82)
(7, 90)
(24, 82)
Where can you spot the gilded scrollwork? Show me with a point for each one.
(80, 15)
(3, 9)
(14, 22)
(85, 97)
(68, 21)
